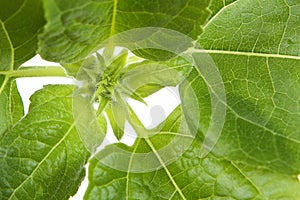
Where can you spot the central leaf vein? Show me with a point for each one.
(241, 53)
(129, 168)
(113, 20)
(11, 67)
(165, 168)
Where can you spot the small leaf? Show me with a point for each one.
(117, 116)
(148, 77)
(115, 68)
(11, 106)
(145, 78)
(102, 122)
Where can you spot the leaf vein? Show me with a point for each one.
(43, 160)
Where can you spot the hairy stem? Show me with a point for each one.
(36, 72)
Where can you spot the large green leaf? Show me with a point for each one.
(189, 177)
(194, 178)
(270, 27)
(42, 156)
(255, 45)
(75, 28)
(20, 22)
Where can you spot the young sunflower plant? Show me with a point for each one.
(234, 66)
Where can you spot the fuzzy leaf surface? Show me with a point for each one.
(42, 156)
(257, 55)
(75, 28)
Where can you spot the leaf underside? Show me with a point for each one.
(260, 72)
(70, 35)
(42, 156)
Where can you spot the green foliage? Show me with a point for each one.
(261, 76)
(76, 28)
(192, 178)
(11, 106)
(252, 46)
(20, 23)
(42, 156)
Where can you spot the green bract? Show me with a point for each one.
(234, 135)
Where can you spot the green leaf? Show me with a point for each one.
(160, 140)
(11, 106)
(102, 122)
(76, 28)
(42, 156)
(73, 68)
(208, 178)
(246, 26)
(117, 117)
(116, 66)
(147, 77)
(189, 177)
(255, 46)
(6, 59)
(217, 5)
(20, 22)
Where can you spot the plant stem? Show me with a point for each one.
(36, 72)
